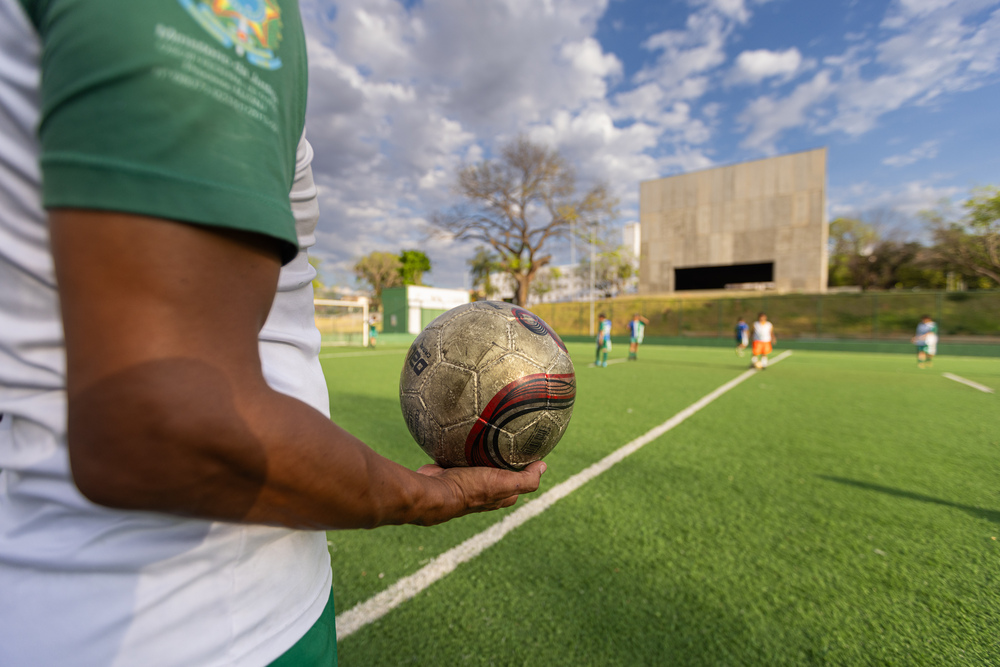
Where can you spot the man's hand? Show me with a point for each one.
(481, 489)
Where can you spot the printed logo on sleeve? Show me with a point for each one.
(252, 27)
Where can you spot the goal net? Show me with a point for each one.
(342, 322)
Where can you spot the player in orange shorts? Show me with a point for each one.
(763, 339)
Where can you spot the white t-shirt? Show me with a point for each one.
(762, 331)
(88, 585)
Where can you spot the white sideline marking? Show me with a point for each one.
(381, 604)
(974, 385)
(334, 355)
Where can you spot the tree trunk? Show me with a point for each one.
(523, 282)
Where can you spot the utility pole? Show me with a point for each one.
(572, 243)
(593, 225)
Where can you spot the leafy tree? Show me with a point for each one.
(861, 255)
(613, 266)
(413, 265)
(850, 246)
(898, 264)
(482, 265)
(969, 246)
(545, 282)
(518, 203)
(380, 270)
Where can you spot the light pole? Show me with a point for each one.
(572, 243)
(593, 225)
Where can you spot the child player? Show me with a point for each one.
(926, 341)
(603, 340)
(636, 330)
(763, 339)
(742, 336)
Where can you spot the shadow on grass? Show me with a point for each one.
(978, 512)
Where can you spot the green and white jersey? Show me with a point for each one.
(187, 110)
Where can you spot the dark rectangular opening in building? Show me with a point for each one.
(717, 277)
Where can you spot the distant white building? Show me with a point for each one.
(631, 239)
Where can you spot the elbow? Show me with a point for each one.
(127, 455)
(155, 444)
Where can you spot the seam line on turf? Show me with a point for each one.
(410, 586)
(975, 385)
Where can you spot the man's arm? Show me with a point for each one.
(169, 410)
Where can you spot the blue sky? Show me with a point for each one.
(904, 93)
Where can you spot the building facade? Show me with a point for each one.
(759, 224)
(410, 308)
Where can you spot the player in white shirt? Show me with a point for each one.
(763, 342)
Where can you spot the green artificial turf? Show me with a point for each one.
(836, 509)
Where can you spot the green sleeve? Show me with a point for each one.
(177, 109)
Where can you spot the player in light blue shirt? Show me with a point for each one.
(742, 336)
(603, 340)
(636, 331)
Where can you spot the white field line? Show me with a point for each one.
(974, 385)
(334, 355)
(381, 604)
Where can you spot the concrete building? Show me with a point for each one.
(756, 224)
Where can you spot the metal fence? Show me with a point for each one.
(887, 316)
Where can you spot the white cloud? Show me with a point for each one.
(733, 9)
(908, 199)
(400, 97)
(928, 49)
(686, 54)
(767, 117)
(755, 66)
(925, 151)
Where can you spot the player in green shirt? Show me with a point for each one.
(926, 340)
(603, 340)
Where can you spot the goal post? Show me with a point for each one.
(342, 322)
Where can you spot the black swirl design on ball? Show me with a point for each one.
(530, 322)
(536, 325)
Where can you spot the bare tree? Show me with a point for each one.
(518, 203)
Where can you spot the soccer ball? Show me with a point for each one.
(487, 384)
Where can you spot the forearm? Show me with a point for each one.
(183, 437)
(321, 476)
(178, 436)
